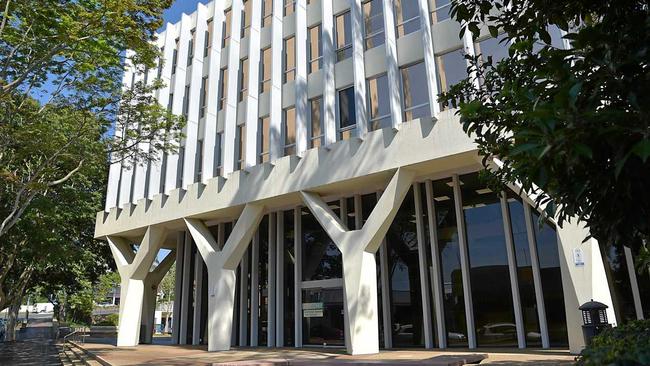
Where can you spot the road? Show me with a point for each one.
(34, 345)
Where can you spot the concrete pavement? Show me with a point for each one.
(198, 355)
(34, 344)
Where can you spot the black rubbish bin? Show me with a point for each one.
(594, 318)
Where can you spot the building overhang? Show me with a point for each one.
(430, 147)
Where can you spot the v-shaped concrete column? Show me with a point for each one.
(358, 248)
(134, 272)
(221, 266)
(150, 293)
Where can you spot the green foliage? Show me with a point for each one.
(573, 123)
(80, 305)
(105, 284)
(61, 99)
(108, 320)
(628, 344)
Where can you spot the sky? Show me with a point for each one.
(173, 14)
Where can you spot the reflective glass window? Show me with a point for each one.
(407, 17)
(289, 130)
(343, 36)
(347, 113)
(243, 79)
(226, 28)
(315, 50)
(264, 139)
(316, 119)
(415, 92)
(488, 262)
(263, 281)
(267, 13)
(223, 87)
(289, 59)
(321, 259)
(241, 145)
(289, 281)
(373, 18)
(452, 68)
(289, 7)
(439, 10)
(379, 102)
(265, 70)
(246, 18)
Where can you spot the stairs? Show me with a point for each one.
(72, 355)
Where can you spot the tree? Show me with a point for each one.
(66, 59)
(571, 126)
(166, 289)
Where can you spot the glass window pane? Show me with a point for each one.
(343, 36)
(316, 106)
(449, 252)
(524, 271)
(347, 113)
(488, 259)
(246, 18)
(496, 48)
(315, 48)
(373, 18)
(415, 91)
(549, 268)
(226, 28)
(289, 59)
(264, 138)
(379, 102)
(440, 10)
(243, 79)
(289, 284)
(267, 14)
(289, 131)
(265, 67)
(404, 269)
(321, 258)
(263, 281)
(452, 68)
(241, 145)
(407, 17)
(289, 7)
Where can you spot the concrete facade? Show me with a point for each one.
(273, 146)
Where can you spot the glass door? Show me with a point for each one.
(322, 317)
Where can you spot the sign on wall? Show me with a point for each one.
(312, 310)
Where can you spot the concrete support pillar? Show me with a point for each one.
(134, 271)
(358, 248)
(150, 296)
(221, 266)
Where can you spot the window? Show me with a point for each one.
(289, 59)
(452, 68)
(223, 88)
(265, 70)
(343, 36)
(198, 161)
(186, 101)
(175, 58)
(190, 48)
(314, 36)
(289, 7)
(218, 156)
(204, 92)
(440, 10)
(241, 145)
(415, 92)
(497, 48)
(267, 13)
(226, 28)
(170, 102)
(246, 18)
(243, 79)
(289, 130)
(347, 113)
(264, 139)
(379, 103)
(407, 17)
(316, 119)
(373, 19)
(161, 62)
(208, 39)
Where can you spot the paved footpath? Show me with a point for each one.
(197, 355)
(34, 345)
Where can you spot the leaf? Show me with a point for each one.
(494, 31)
(642, 149)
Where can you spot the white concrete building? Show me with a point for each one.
(322, 197)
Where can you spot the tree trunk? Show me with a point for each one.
(10, 333)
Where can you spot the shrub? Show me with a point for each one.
(628, 344)
(108, 320)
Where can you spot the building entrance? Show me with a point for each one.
(322, 317)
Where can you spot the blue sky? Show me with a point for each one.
(173, 14)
